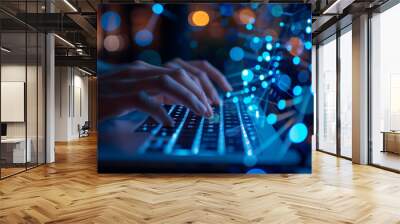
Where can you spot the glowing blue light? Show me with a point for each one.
(297, 90)
(265, 54)
(250, 160)
(110, 21)
(284, 82)
(228, 94)
(276, 10)
(281, 104)
(253, 88)
(249, 26)
(281, 24)
(236, 53)
(278, 58)
(235, 99)
(296, 60)
(157, 9)
(247, 75)
(308, 29)
(277, 45)
(255, 171)
(276, 64)
(308, 45)
(272, 118)
(278, 71)
(143, 38)
(259, 58)
(264, 84)
(268, 38)
(268, 46)
(298, 133)
(288, 47)
(309, 21)
(246, 90)
(261, 77)
(270, 72)
(256, 40)
(258, 67)
(247, 100)
(245, 83)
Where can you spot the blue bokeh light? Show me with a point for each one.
(308, 45)
(308, 29)
(249, 26)
(272, 118)
(268, 38)
(268, 46)
(298, 133)
(284, 82)
(235, 99)
(281, 104)
(256, 40)
(236, 53)
(110, 21)
(297, 90)
(157, 9)
(247, 75)
(264, 84)
(276, 10)
(143, 38)
(296, 60)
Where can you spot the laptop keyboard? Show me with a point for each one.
(195, 135)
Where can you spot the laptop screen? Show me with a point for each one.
(263, 50)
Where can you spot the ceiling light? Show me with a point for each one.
(5, 50)
(70, 5)
(64, 40)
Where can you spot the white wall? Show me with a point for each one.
(71, 102)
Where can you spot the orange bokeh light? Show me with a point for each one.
(246, 16)
(199, 18)
(297, 46)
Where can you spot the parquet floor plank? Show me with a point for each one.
(71, 191)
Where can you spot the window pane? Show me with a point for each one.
(385, 84)
(327, 97)
(346, 94)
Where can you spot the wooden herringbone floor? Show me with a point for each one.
(70, 191)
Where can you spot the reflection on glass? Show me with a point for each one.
(14, 151)
(385, 83)
(346, 94)
(327, 97)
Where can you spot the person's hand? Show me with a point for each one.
(202, 72)
(142, 85)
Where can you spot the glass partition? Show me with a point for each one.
(385, 89)
(22, 90)
(327, 96)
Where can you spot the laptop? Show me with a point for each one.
(263, 126)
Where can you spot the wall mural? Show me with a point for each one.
(161, 68)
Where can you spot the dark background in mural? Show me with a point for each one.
(233, 42)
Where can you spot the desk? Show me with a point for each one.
(16, 147)
(391, 141)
